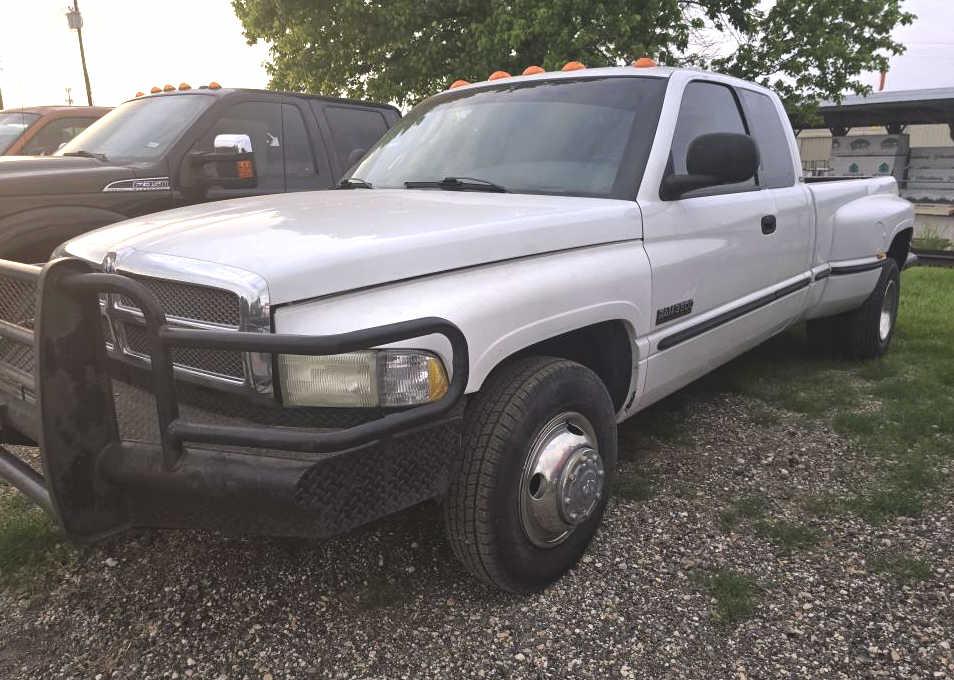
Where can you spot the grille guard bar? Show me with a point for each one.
(77, 419)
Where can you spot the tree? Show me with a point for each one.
(404, 50)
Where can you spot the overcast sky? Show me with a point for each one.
(132, 45)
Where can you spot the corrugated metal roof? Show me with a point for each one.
(891, 97)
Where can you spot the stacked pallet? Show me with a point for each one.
(930, 175)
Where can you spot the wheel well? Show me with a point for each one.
(900, 247)
(604, 348)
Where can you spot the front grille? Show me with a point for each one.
(189, 301)
(219, 362)
(178, 300)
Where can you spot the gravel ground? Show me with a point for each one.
(390, 602)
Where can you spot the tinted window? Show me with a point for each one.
(776, 168)
(706, 108)
(262, 122)
(54, 134)
(354, 131)
(12, 125)
(141, 129)
(300, 171)
(579, 137)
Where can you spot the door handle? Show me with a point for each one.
(768, 224)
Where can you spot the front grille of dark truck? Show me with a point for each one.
(198, 304)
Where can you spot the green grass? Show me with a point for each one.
(750, 507)
(787, 536)
(899, 567)
(30, 544)
(734, 595)
(898, 411)
(633, 486)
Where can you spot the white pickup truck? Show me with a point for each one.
(515, 268)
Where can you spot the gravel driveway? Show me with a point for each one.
(390, 602)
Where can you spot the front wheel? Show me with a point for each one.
(538, 453)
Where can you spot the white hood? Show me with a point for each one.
(309, 244)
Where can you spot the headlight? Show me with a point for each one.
(390, 377)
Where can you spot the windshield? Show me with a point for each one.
(12, 125)
(565, 137)
(139, 130)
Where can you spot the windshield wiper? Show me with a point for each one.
(354, 183)
(87, 154)
(458, 184)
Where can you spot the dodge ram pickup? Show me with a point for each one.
(514, 268)
(179, 147)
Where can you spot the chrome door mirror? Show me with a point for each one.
(237, 143)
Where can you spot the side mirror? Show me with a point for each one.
(235, 143)
(231, 165)
(713, 160)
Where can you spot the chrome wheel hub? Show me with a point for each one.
(889, 307)
(563, 480)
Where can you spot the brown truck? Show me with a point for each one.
(41, 130)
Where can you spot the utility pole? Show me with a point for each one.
(75, 20)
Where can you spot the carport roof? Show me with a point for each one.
(902, 107)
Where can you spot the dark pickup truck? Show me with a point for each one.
(175, 148)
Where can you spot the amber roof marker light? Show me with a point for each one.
(214, 85)
(184, 86)
(497, 75)
(458, 83)
(155, 89)
(533, 70)
(645, 62)
(573, 66)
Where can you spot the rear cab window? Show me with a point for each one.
(353, 132)
(776, 167)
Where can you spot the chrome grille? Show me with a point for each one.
(219, 362)
(189, 301)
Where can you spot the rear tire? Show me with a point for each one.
(865, 332)
(538, 426)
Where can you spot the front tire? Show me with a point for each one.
(538, 454)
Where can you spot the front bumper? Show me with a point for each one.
(223, 473)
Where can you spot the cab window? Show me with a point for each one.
(706, 108)
(776, 169)
(55, 134)
(262, 122)
(300, 170)
(354, 131)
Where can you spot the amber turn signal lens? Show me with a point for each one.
(573, 66)
(244, 169)
(644, 62)
(497, 75)
(458, 83)
(532, 70)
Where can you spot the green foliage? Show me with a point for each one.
(29, 541)
(404, 50)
